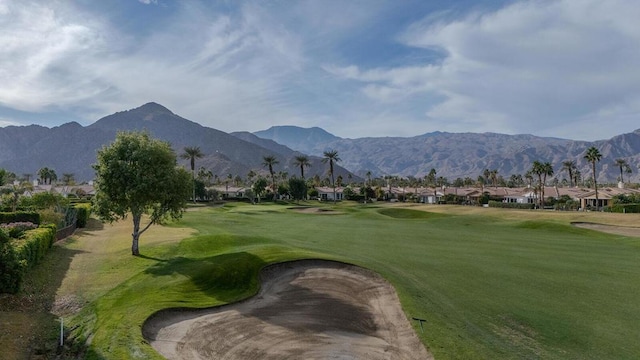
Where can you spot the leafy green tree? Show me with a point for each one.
(431, 177)
(298, 188)
(331, 156)
(624, 167)
(192, 153)
(259, 187)
(301, 161)
(138, 175)
(593, 155)
(270, 161)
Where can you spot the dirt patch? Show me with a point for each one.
(309, 309)
(610, 229)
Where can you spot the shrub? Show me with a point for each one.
(11, 269)
(84, 211)
(626, 208)
(506, 205)
(16, 229)
(19, 255)
(19, 216)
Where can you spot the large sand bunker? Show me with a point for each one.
(611, 229)
(309, 309)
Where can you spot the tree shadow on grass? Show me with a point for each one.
(227, 277)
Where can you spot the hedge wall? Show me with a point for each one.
(19, 216)
(84, 211)
(19, 255)
(626, 208)
(500, 204)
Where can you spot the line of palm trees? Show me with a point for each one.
(540, 169)
(592, 155)
(269, 161)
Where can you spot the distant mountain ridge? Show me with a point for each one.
(462, 155)
(72, 148)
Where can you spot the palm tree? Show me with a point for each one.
(493, 174)
(623, 165)
(68, 178)
(542, 170)
(593, 155)
(331, 156)
(191, 154)
(369, 177)
(302, 161)
(269, 161)
(569, 166)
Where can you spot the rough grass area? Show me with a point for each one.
(491, 283)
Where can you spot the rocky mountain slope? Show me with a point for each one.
(462, 155)
(71, 148)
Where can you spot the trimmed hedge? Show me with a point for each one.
(20, 216)
(626, 208)
(500, 204)
(20, 255)
(84, 211)
(11, 269)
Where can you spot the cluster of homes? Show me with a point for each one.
(427, 195)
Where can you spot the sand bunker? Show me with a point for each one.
(611, 229)
(308, 309)
(313, 210)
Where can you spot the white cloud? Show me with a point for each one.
(533, 66)
(542, 67)
(148, 2)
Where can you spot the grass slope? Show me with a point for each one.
(491, 283)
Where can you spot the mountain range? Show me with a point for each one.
(71, 148)
(462, 155)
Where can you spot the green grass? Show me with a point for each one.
(497, 285)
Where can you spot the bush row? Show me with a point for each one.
(500, 204)
(19, 216)
(19, 255)
(84, 211)
(626, 208)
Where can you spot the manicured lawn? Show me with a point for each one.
(490, 283)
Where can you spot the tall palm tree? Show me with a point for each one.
(623, 165)
(302, 161)
(331, 156)
(593, 155)
(493, 174)
(68, 178)
(270, 161)
(569, 166)
(542, 170)
(192, 153)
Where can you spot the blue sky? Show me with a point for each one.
(561, 68)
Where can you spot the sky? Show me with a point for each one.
(370, 68)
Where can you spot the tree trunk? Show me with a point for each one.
(135, 251)
(595, 183)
